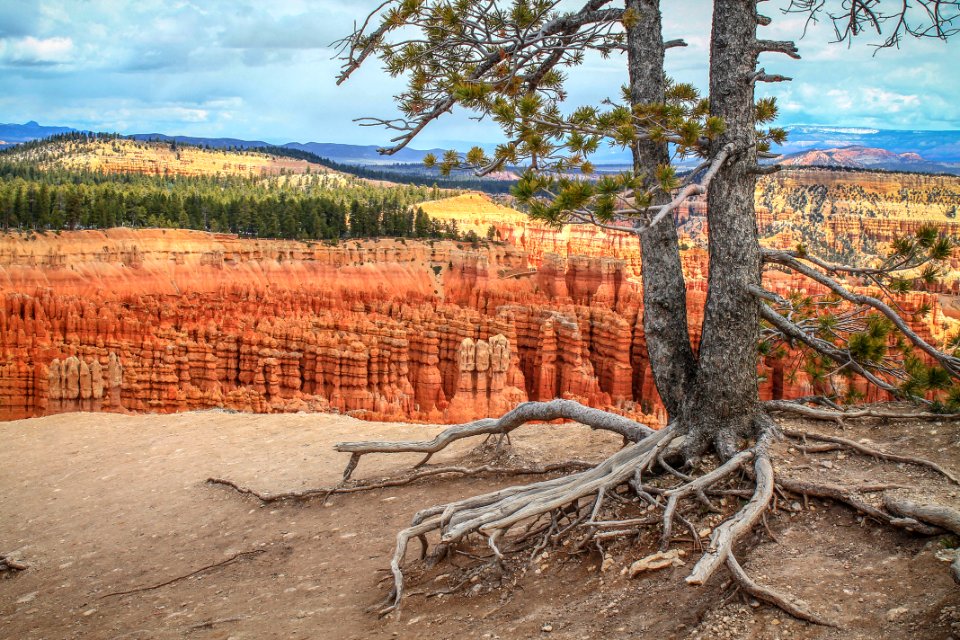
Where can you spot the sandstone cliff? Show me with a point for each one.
(168, 320)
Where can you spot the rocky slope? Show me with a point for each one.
(168, 320)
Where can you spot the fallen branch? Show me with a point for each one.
(870, 451)
(223, 563)
(209, 624)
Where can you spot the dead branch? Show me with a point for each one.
(222, 563)
(370, 485)
(870, 451)
(209, 624)
(792, 606)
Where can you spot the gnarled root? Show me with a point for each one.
(832, 415)
(796, 608)
(400, 481)
(631, 430)
(493, 514)
(935, 515)
(726, 535)
(872, 452)
(850, 496)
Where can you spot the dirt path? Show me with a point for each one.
(99, 503)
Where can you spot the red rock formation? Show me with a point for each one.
(163, 320)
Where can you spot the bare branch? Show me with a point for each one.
(950, 363)
(785, 47)
(840, 356)
(692, 189)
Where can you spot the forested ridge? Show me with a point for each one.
(319, 206)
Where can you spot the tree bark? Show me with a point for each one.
(664, 289)
(724, 398)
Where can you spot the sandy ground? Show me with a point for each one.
(99, 503)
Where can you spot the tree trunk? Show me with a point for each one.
(724, 400)
(664, 290)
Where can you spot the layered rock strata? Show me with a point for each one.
(167, 320)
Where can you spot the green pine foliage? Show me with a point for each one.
(307, 207)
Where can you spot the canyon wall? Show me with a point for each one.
(438, 331)
(173, 320)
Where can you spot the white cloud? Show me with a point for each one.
(32, 51)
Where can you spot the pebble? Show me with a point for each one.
(896, 613)
(607, 563)
(547, 628)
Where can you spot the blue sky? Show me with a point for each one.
(258, 69)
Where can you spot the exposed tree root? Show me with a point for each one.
(631, 430)
(816, 413)
(491, 515)
(936, 515)
(222, 563)
(850, 497)
(726, 535)
(870, 451)
(9, 565)
(572, 505)
(517, 523)
(792, 606)
(370, 485)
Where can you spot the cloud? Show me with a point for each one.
(262, 70)
(35, 52)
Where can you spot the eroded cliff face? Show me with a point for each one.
(170, 320)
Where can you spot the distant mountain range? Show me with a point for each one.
(11, 134)
(912, 151)
(933, 146)
(858, 157)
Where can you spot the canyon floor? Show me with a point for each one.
(103, 503)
